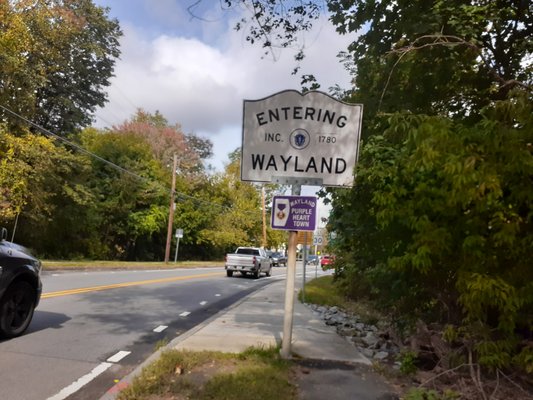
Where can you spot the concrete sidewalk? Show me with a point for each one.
(257, 321)
(330, 367)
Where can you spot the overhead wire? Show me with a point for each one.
(110, 163)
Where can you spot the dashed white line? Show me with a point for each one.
(217, 295)
(119, 356)
(203, 303)
(184, 314)
(160, 328)
(77, 385)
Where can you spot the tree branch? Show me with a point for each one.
(450, 41)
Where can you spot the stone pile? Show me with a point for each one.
(373, 342)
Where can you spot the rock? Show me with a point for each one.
(381, 355)
(358, 341)
(373, 342)
(368, 353)
(370, 339)
(343, 331)
(360, 326)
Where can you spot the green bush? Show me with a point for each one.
(439, 226)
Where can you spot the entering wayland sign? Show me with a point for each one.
(294, 135)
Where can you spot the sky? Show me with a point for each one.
(193, 67)
(197, 71)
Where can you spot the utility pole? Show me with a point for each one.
(171, 210)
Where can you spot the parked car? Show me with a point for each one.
(312, 260)
(278, 259)
(20, 287)
(248, 260)
(326, 261)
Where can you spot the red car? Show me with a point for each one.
(326, 262)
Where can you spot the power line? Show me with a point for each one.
(72, 144)
(105, 161)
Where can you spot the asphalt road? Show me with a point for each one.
(92, 329)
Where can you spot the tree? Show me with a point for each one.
(237, 221)
(56, 58)
(438, 224)
(451, 57)
(130, 194)
(38, 181)
(166, 140)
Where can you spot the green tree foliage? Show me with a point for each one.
(429, 57)
(438, 224)
(237, 222)
(129, 191)
(39, 182)
(56, 58)
(437, 57)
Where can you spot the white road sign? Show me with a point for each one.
(318, 240)
(294, 135)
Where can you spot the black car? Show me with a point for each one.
(278, 259)
(20, 287)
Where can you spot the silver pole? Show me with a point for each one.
(177, 246)
(305, 265)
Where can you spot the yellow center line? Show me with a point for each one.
(126, 284)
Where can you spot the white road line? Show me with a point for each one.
(119, 356)
(203, 303)
(217, 295)
(77, 385)
(184, 314)
(160, 328)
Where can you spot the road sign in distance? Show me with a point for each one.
(318, 240)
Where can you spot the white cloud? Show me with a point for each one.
(202, 87)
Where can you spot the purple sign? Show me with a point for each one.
(294, 213)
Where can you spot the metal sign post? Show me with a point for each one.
(304, 261)
(292, 213)
(179, 235)
(289, 289)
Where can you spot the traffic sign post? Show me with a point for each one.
(318, 240)
(298, 139)
(179, 235)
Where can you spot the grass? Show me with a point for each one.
(257, 373)
(323, 291)
(51, 265)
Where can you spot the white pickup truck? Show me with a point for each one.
(248, 260)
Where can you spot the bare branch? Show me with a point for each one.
(449, 41)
